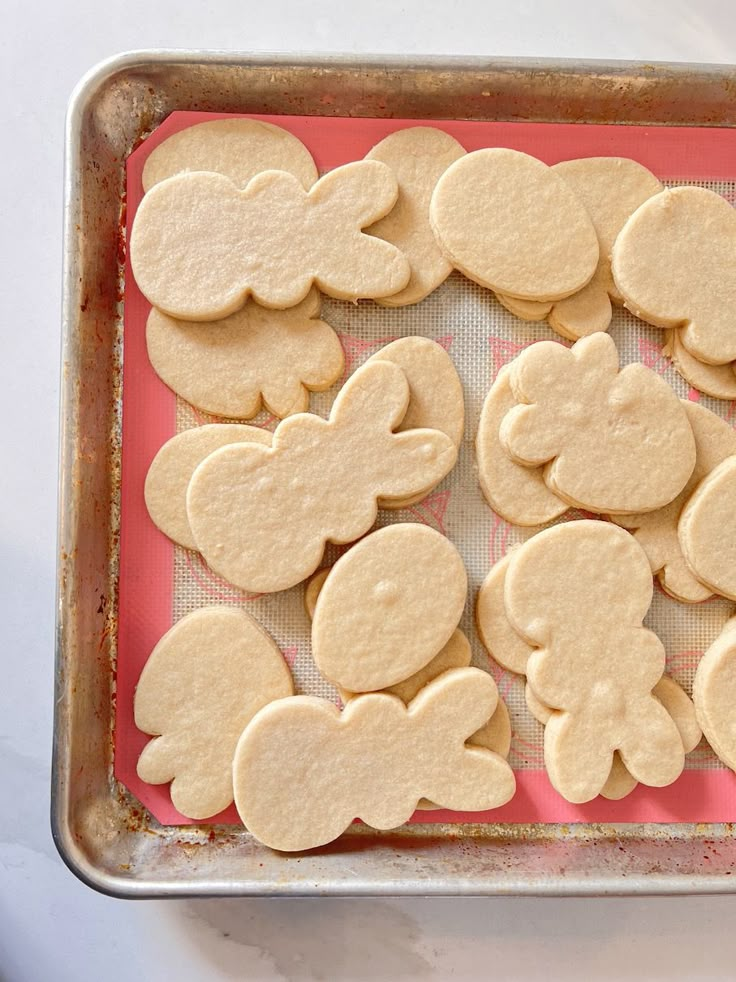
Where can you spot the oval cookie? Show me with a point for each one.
(418, 156)
(254, 357)
(203, 682)
(707, 530)
(508, 222)
(171, 470)
(387, 607)
(237, 148)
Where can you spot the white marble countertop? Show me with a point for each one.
(51, 926)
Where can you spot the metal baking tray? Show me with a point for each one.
(102, 833)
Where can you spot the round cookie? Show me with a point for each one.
(203, 682)
(171, 470)
(237, 148)
(255, 356)
(673, 265)
(517, 493)
(388, 606)
(510, 223)
(418, 156)
(707, 530)
(718, 381)
(714, 694)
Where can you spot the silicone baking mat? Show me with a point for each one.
(161, 582)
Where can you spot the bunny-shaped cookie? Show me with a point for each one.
(303, 770)
(261, 516)
(606, 435)
(200, 246)
(579, 592)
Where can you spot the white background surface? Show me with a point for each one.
(54, 928)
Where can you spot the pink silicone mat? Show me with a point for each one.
(160, 582)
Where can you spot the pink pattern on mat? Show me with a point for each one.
(435, 505)
(290, 654)
(213, 584)
(652, 356)
(354, 348)
(149, 419)
(498, 539)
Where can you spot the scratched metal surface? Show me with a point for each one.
(101, 832)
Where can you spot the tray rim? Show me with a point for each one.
(69, 848)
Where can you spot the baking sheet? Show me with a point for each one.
(160, 582)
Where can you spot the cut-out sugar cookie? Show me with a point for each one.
(171, 470)
(203, 682)
(502, 641)
(611, 189)
(672, 696)
(718, 381)
(714, 694)
(619, 782)
(254, 357)
(237, 148)
(387, 607)
(313, 589)
(605, 435)
(515, 492)
(673, 264)
(261, 517)
(418, 156)
(527, 310)
(707, 530)
(303, 770)
(200, 246)
(454, 654)
(510, 223)
(435, 395)
(494, 735)
(656, 531)
(579, 592)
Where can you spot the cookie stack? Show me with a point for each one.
(418, 721)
